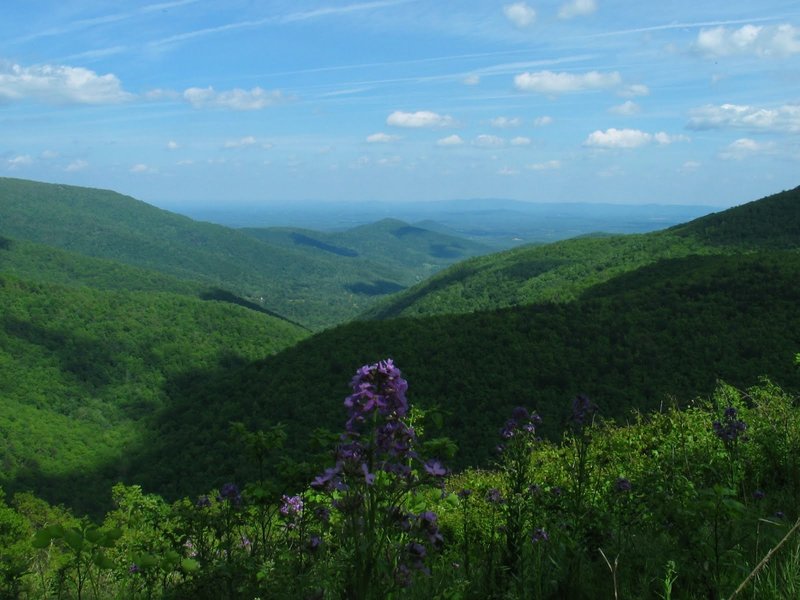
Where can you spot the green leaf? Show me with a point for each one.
(42, 539)
(74, 539)
(93, 535)
(102, 561)
(190, 565)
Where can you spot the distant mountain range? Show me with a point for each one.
(497, 222)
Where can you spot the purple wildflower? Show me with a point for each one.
(539, 535)
(730, 429)
(202, 502)
(622, 485)
(758, 495)
(583, 409)
(291, 506)
(134, 568)
(494, 496)
(231, 493)
(435, 468)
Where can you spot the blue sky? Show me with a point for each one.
(248, 102)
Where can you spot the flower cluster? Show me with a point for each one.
(521, 421)
(230, 493)
(583, 410)
(291, 506)
(730, 428)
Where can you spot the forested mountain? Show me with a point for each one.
(82, 370)
(668, 330)
(316, 290)
(410, 250)
(562, 270)
(117, 380)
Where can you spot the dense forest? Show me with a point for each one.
(150, 383)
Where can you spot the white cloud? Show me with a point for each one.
(389, 161)
(489, 141)
(764, 41)
(520, 14)
(17, 162)
(76, 165)
(633, 90)
(549, 165)
(542, 121)
(506, 171)
(506, 122)
(244, 142)
(55, 84)
(745, 148)
(381, 138)
(628, 107)
(142, 168)
(471, 80)
(577, 8)
(48, 154)
(450, 140)
(520, 140)
(629, 138)
(172, 145)
(737, 116)
(548, 82)
(236, 99)
(422, 118)
(690, 165)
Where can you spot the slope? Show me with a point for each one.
(81, 371)
(672, 328)
(560, 271)
(410, 253)
(317, 291)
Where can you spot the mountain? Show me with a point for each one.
(671, 329)
(496, 222)
(411, 252)
(560, 271)
(317, 290)
(82, 370)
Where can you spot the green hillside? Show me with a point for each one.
(315, 290)
(82, 371)
(669, 330)
(560, 271)
(411, 252)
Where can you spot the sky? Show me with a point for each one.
(254, 102)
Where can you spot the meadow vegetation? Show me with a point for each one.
(676, 504)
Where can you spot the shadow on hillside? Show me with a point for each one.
(91, 362)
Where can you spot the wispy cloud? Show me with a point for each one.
(763, 41)
(520, 14)
(381, 138)
(548, 165)
(736, 116)
(745, 148)
(276, 20)
(627, 108)
(236, 99)
(548, 82)
(450, 140)
(90, 22)
(577, 8)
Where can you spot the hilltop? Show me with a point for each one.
(560, 271)
(297, 281)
